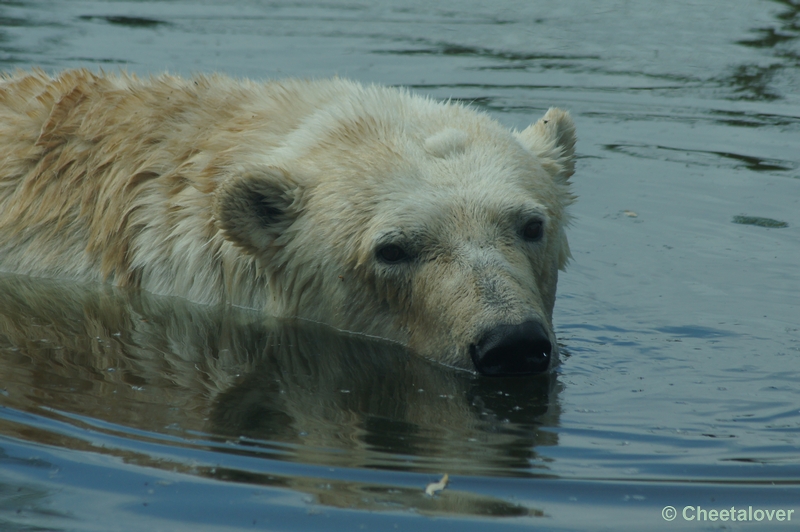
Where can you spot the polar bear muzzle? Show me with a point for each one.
(506, 350)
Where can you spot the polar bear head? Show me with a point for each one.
(426, 223)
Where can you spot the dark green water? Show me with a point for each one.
(681, 383)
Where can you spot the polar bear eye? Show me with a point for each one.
(392, 254)
(533, 231)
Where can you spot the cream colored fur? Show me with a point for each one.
(277, 195)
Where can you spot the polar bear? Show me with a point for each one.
(366, 208)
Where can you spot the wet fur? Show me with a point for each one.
(273, 195)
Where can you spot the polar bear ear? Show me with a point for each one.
(254, 207)
(552, 139)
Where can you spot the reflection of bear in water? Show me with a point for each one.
(151, 362)
(327, 391)
(365, 208)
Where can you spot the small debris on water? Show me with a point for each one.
(433, 487)
(759, 221)
(630, 214)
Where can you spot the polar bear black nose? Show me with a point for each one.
(519, 349)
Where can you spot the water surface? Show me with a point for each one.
(125, 411)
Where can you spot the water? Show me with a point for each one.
(125, 411)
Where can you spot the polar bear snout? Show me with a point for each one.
(506, 350)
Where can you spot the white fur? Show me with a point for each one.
(275, 196)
